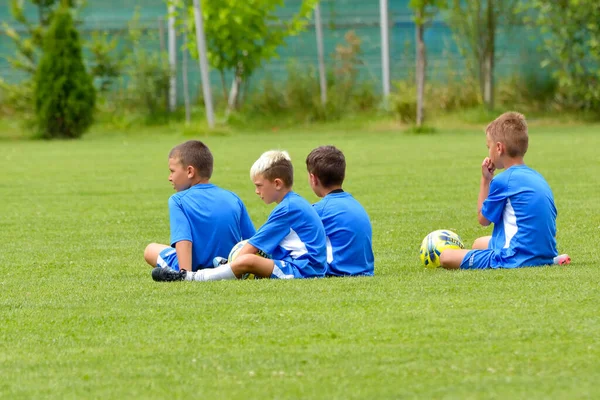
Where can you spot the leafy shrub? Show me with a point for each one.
(64, 93)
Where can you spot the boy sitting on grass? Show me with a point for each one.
(518, 201)
(347, 225)
(293, 235)
(206, 221)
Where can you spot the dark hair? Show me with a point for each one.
(328, 164)
(196, 154)
(511, 129)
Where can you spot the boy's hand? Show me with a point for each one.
(487, 169)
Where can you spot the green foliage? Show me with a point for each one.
(137, 76)
(64, 92)
(242, 35)
(529, 92)
(475, 25)
(107, 61)
(29, 46)
(571, 43)
(426, 10)
(300, 94)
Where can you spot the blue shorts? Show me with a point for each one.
(168, 259)
(478, 259)
(284, 270)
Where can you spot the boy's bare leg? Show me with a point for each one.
(247, 263)
(451, 258)
(481, 243)
(152, 251)
(253, 264)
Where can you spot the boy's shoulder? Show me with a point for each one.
(519, 173)
(201, 191)
(293, 203)
(338, 199)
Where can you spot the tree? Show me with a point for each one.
(571, 43)
(29, 46)
(63, 90)
(242, 35)
(424, 11)
(475, 25)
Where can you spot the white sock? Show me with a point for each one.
(220, 273)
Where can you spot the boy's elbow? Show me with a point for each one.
(483, 221)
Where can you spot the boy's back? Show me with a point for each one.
(294, 233)
(349, 235)
(521, 206)
(213, 219)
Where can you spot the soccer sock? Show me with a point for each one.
(212, 274)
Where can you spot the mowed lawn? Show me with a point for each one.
(82, 318)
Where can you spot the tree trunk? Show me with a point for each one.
(235, 91)
(223, 84)
(421, 64)
(490, 51)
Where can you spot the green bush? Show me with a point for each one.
(63, 90)
(138, 81)
(529, 92)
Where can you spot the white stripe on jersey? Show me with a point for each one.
(510, 223)
(293, 243)
(329, 251)
(279, 273)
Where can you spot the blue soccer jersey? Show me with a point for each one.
(349, 235)
(521, 206)
(213, 219)
(294, 234)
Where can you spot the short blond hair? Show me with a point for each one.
(274, 164)
(510, 129)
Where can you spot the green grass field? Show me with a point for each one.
(81, 317)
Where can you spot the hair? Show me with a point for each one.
(328, 164)
(274, 164)
(511, 129)
(196, 154)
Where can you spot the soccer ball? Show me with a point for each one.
(436, 242)
(235, 251)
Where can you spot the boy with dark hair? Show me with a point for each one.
(518, 202)
(293, 235)
(206, 221)
(347, 225)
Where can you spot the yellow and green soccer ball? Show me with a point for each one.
(436, 242)
(235, 251)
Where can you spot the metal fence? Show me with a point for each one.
(516, 56)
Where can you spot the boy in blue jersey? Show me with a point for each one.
(206, 221)
(293, 236)
(347, 225)
(518, 201)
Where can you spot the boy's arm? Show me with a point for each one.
(248, 249)
(484, 191)
(487, 174)
(184, 254)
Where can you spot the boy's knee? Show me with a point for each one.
(450, 259)
(150, 254)
(444, 258)
(246, 259)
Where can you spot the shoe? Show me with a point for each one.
(160, 274)
(562, 259)
(219, 261)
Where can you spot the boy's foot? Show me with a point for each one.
(160, 274)
(219, 261)
(563, 259)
